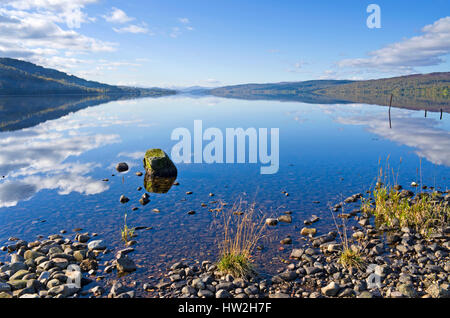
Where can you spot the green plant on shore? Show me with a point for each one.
(366, 205)
(350, 256)
(127, 233)
(241, 233)
(424, 212)
(238, 265)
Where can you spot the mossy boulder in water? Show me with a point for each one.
(158, 164)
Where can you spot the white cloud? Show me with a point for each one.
(117, 16)
(424, 50)
(135, 29)
(328, 74)
(70, 11)
(176, 31)
(297, 67)
(184, 20)
(33, 31)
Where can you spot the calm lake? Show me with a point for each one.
(54, 171)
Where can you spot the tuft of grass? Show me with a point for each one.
(127, 233)
(424, 212)
(351, 258)
(241, 234)
(238, 265)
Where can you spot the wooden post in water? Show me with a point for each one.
(441, 113)
(425, 113)
(390, 105)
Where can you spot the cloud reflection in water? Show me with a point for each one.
(35, 159)
(423, 134)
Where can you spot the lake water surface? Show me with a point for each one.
(54, 171)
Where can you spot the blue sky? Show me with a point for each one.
(213, 43)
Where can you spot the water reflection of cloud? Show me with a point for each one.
(34, 159)
(300, 116)
(422, 134)
(431, 142)
(133, 155)
(11, 192)
(44, 152)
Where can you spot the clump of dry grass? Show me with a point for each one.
(241, 234)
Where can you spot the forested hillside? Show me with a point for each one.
(23, 78)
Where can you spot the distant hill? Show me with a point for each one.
(285, 91)
(420, 91)
(18, 77)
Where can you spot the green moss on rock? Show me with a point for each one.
(157, 163)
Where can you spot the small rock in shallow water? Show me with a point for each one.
(271, 221)
(122, 167)
(308, 231)
(123, 199)
(96, 245)
(311, 220)
(125, 264)
(285, 218)
(286, 240)
(144, 200)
